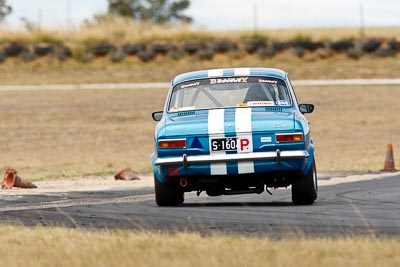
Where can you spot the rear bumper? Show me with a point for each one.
(277, 156)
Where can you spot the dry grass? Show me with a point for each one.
(50, 71)
(114, 30)
(66, 247)
(352, 125)
(68, 133)
(120, 30)
(337, 33)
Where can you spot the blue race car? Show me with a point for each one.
(233, 131)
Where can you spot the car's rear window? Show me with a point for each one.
(227, 92)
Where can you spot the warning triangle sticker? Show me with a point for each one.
(196, 143)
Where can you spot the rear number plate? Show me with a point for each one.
(223, 144)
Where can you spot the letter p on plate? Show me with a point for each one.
(245, 144)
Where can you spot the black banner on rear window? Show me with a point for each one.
(230, 80)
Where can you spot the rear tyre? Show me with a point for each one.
(181, 197)
(167, 195)
(305, 189)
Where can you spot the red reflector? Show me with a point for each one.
(289, 138)
(173, 170)
(179, 143)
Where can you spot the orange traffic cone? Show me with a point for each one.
(389, 162)
(12, 179)
(9, 179)
(127, 174)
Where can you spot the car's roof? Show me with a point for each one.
(229, 72)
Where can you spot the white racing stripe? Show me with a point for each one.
(243, 120)
(245, 138)
(242, 71)
(215, 73)
(216, 129)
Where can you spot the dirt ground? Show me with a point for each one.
(107, 182)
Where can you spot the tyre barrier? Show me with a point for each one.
(252, 46)
(3, 57)
(193, 47)
(160, 48)
(370, 46)
(354, 53)
(117, 56)
(14, 49)
(101, 49)
(307, 45)
(394, 45)
(62, 52)
(203, 50)
(132, 49)
(206, 54)
(146, 56)
(279, 46)
(224, 46)
(27, 56)
(340, 46)
(41, 50)
(176, 54)
(298, 51)
(266, 52)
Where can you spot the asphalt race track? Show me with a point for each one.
(361, 208)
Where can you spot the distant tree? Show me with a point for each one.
(28, 24)
(157, 11)
(4, 9)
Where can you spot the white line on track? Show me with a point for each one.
(347, 82)
(84, 86)
(134, 86)
(356, 178)
(77, 202)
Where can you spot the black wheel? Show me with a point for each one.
(167, 195)
(181, 197)
(305, 189)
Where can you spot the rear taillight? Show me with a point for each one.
(292, 137)
(175, 143)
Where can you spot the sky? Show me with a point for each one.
(224, 14)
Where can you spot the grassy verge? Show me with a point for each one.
(352, 125)
(65, 247)
(70, 133)
(49, 71)
(45, 70)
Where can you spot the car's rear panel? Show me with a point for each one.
(254, 129)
